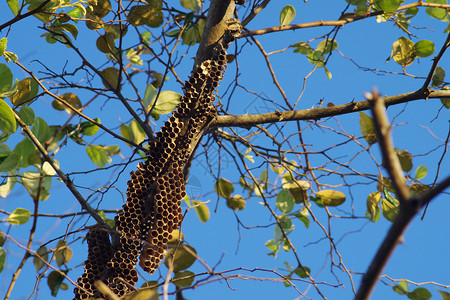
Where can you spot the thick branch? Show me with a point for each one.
(409, 206)
(248, 121)
(383, 132)
(219, 13)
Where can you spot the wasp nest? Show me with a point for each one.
(99, 254)
(155, 190)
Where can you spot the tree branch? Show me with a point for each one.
(248, 121)
(409, 206)
(61, 174)
(340, 22)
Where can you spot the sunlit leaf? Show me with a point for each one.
(302, 48)
(326, 46)
(7, 187)
(223, 188)
(14, 6)
(367, 128)
(287, 14)
(180, 258)
(237, 202)
(389, 206)
(436, 12)
(63, 254)
(150, 95)
(302, 215)
(331, 197)
(285, 201)
(387, 5)
(193, 5)
(403, 51)
(421, 172)
(88, 128)
(419, 293)
(3, 43)
(373, 206)
(424, 48)
(19, 216)
(202, 211)
(145, 15)
(7, 119)
(166, 102)
(445, 295)
(41, 130)
(98, 155)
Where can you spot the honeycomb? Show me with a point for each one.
(155, 190)
(99, 254)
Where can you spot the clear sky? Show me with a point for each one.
(222, 242)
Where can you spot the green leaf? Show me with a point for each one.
(166, 102)
(6, 78)
(193, 5)
(424, 48)
(37, 262)
(98, 155)
(37, 183)
(25, 149)
(402, 288)
(302, 48)
(2, 258)
(183, 278)
(3, 42)
(237, 202)
(19, 216)
(223, 188)
(145, 15)
(387, 5)
(285, 201)
(403, 51)
(41, 130)
(180, 258)
(7, 119)
(331, 197)
(136, 132)
(327, 45)
(193, 34)
(63, 254)
(287, 14)
(88, 128)
(302, 215)
(111, 76)
(445, 102)
(436, 12)
(367, 128)
(71, 28)
(389, 206)
(202, 211)
(405, 159)
(26, 90)
(14, 6)
(373, 206)
(421, 172)
(438, 77)
(173, 33)
(419, 293)
(150, 95)
(302, 272)
(6, 188)
(10, 162)
(54, 282)
(445, 295)
(26, 113)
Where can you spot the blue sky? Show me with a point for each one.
(221, 242)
